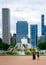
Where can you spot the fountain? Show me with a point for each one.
(21, 46)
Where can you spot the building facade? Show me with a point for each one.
(6, 25)
(21, 30)
(33, 35)
(43, 27)
(13, 40)
(42, 39)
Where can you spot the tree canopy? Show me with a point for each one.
(42, 46)
(3, 46)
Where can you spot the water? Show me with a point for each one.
(21, 53)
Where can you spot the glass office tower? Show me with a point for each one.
(33, 35)
(43, 27)
(21, 30)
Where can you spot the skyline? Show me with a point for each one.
(26, 10)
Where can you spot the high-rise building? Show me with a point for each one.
(6, 25)
(14, 35)
(41, 39)
(13, 40)
(43, 27)
(21, 30)
(33, 35)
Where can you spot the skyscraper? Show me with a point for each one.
(21, 30)
(33, 35)
(43, 27)
(6, 25)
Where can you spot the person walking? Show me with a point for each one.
(34, 55)
(38, 55)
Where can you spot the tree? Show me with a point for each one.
(42, 46)
(0, 40)
(3, 46)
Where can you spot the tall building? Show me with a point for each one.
(21, 30)
(14, 35)
(41, 39)
(6, 25)
(33, 35)
(43, 27)
(13, 40)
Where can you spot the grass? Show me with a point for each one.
(20, 55)
(42, 54)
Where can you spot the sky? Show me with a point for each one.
(25, 10)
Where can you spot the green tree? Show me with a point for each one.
(42, 46)
(3, 46)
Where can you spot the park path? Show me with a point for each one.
(22, 60)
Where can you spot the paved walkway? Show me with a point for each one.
(21, 60)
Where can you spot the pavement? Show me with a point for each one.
(22, 60)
